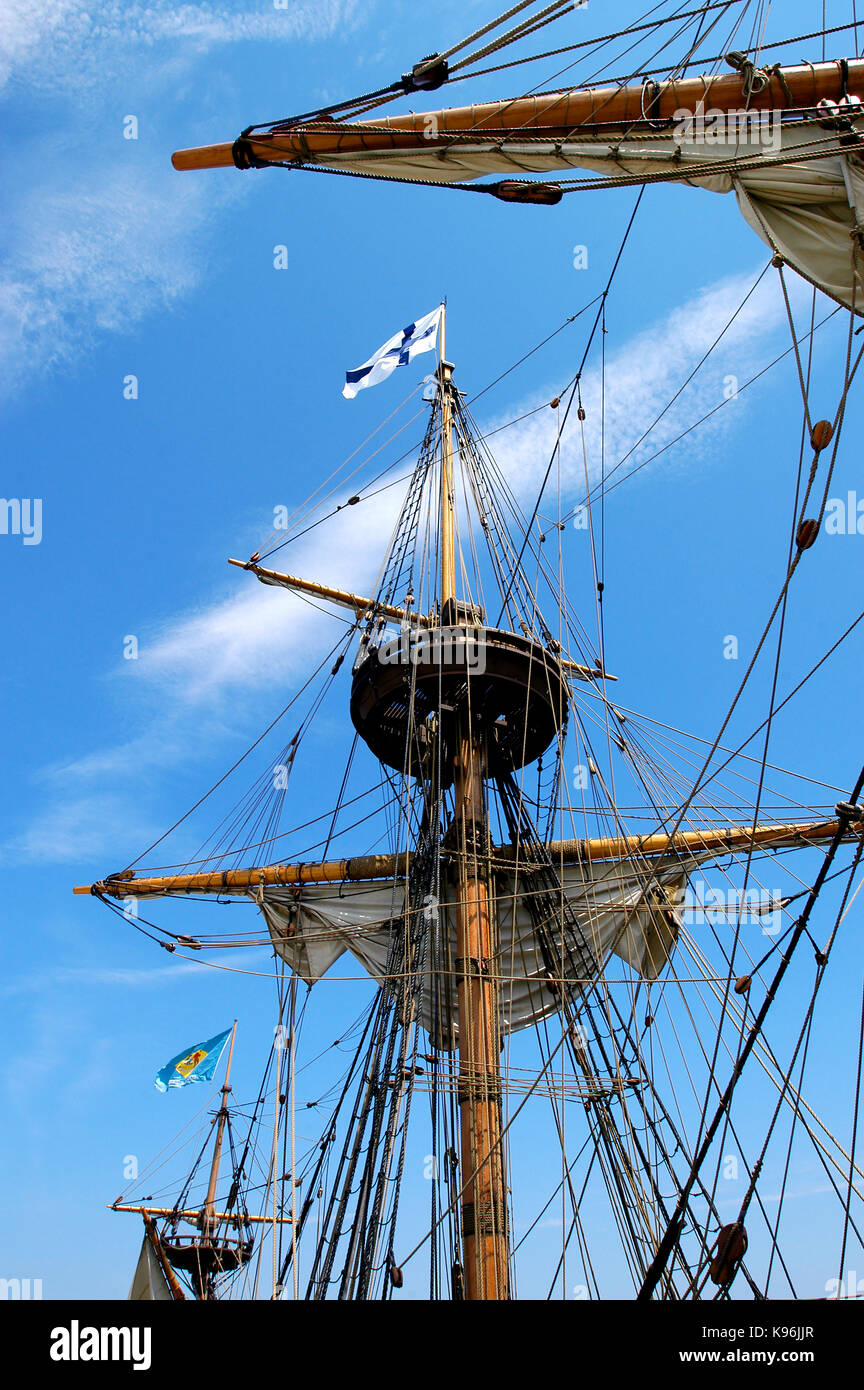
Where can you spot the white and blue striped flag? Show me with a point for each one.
(397, 352)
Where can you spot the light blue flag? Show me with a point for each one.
(195, 1064)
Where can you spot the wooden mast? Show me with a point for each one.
(554, 116)
(207, 1257)
(484, 1192)
(209, 1221)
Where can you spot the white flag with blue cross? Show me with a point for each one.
(398, 351)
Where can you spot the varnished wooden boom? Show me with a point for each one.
(554, 116)
(376, 866)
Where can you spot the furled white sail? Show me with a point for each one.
(149, 1282)
(314, 926)
(798, 185)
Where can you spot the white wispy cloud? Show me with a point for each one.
(138, 752)
(86, 977)
(74, 829)
(642, 376)
(73, 45)
(186, 677)
(93, 247)
(269, 635)
(107, 977)
(84, 262)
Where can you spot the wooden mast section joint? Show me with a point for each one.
(555, 116)
(362, 869)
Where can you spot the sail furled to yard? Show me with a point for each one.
(149, 1283)
(621, 909)
(784, 139)
(800, 185)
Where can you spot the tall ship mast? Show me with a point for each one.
(542, 1010)
(198, 1252)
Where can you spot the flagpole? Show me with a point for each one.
(208, 1222)
(448, 524)
(441, 342)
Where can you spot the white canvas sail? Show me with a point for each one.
(313, 927)
(149, 1283)
(800, 190)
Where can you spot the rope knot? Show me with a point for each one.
(754, 79)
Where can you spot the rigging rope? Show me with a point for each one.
(673, 1231)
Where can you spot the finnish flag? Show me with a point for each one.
(397, 352)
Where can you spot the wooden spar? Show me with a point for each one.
(356, 602)
(555, 116)
(232, 1217)
(360, 605)
(368, 867)
(585, 673)
(375, 866)
(170, 1277)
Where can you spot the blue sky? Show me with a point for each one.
(115, 265)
